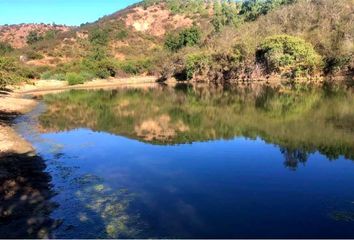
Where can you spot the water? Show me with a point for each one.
(191, 162)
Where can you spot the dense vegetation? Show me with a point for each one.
(320, 42)
(12, 72)
(283, 53)
(227, 41)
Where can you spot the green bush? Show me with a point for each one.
(122, 34)
(99, 37)
(337, 64)
(135, 66)
(9, 72)
(49, 75)
(252, 9)
(33, 37)
(33, 55)
(59, 76)
(288, 54)
(196, 62)
(50, 34)
(173, 43)
(129, 67)
(46, 75)
(188, 37)
(105, 68)
(89, 68)
(74, 78)
(226, 14)
(5, 48)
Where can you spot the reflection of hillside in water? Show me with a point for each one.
(300, 120)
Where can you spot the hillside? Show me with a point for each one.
(16, 35)
(213, 41)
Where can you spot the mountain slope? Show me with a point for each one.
(16, 35)
(215, 40)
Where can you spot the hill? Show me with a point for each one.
(211, 40)
(16, 35)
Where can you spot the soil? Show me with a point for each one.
(10, 141)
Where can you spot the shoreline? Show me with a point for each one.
(10, 141)
(21, 100)
(50, 86)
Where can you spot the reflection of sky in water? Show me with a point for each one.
(237, 188)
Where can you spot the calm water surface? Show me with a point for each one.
(191, 162)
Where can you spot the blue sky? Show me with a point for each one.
(70, 12)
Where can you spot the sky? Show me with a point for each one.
(69, 12)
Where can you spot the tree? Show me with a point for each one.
(226, 13)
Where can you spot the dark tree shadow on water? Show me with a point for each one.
(28, 203)
(25, 194)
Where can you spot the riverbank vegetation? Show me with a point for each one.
(212, 41)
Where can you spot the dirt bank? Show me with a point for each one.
(10, 141)
(24, 185)
(50, 86)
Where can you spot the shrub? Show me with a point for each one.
(122, 34)
(195, 63)
(55, 76)
(33, 37)
(87, 76)
(46, 75)
(282, 53)
(226, 14)
(8, 72)
(98, 37)
(252, 9)
(5, 48)
(50, 34)
(135, 66)
(33, 55)
(337, 64)
(173, 43)
(105, 68)
(188, 37)
(59, 76)
(27, 72)
(74, 78)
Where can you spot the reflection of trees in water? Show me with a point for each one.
(294, 157)
(25, 194)
(302, 118)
